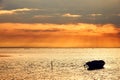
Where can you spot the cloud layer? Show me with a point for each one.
(71, 15)
(15, 11)
(56, 35)
(61, 12)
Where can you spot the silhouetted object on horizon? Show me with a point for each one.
(95, 64)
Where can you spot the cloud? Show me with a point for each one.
(45, 30)
(71, 15)
(59, 35)
(42, 16)
(118, 14)
(82, 28)
(94, 15)
(53, 7)
(14, 11)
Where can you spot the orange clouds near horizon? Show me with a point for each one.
(59, 35)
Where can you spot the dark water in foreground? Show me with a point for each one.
(58, 63)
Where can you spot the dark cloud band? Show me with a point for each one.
(79, 11)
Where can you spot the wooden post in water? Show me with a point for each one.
(51, 65)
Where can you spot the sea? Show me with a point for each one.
(58, 63)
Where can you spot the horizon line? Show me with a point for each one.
(59, 47)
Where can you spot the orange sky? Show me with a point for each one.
(59, 35)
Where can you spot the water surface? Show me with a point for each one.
(58, 63)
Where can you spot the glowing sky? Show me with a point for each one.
(59, 23)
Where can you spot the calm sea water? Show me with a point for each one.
(58, 63)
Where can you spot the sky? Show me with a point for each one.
(59, 23)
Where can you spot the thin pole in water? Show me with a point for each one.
(51, 65)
